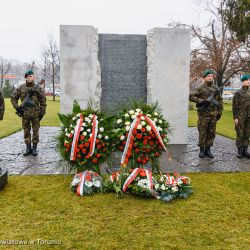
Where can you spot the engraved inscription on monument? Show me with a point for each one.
(123, 69)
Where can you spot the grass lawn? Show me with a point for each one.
(12, 123)
(216, 216)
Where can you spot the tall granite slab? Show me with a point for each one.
(168, 57)
(80, 68)
(123, 69)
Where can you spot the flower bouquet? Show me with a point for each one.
(142, 133)
(169, 187)
(85, 141)
(86, 183)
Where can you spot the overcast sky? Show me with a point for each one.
(26, 24)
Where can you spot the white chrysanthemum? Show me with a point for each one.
(163, 187)
(133, 116)
(72, 132)
(144, 183)
(175, 189)
(159, 128)
(156, 114)
(162, 179)
(84, 124)
(106, 137)
(127, 128)
(122, 137)
(138, 110)
(139, 126)
(87, 120)
(155, 119)
(126, 115)
(143, 118)
(131, 112)
(66, 130)
(148, 115)
(148, 128)
(179, 182)
(157, 186)
(71, 125)
(81, 128)
(84, 133)
(101, 129)
(160, 121)
(136, 113)
(78, 115)
(90, 135)
(90, 116)
(99, 136)
(89, 130)
(74, 118)
(143, 123)
(88, 183)
(97, 183)
(119, 121)
(127, 123)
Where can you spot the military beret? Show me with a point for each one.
(208, 72)
(245, 77)
(29, 72)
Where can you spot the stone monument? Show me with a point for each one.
(111, 69)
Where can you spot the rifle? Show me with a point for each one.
(211, 101)
(27, 102)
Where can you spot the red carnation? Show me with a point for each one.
(143, 130)
(123, 142)
(157, 154)
(151, 143)
(82, 137)
(144, 161)
(88, 178)
(121, 148)
(86, 144)
(145, 142)
(70, 135)
(142, 173)
(134, 131)
(99, 146)
(84, 151)
(98, 155)
(139, 159)
(97, 141)
(67, 150)
(137, 150)
(94, 160)
(139, 136)
(103, 144)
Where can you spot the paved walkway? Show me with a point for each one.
(185, 157)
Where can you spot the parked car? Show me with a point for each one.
(227, 95)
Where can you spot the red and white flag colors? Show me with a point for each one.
(76, 138)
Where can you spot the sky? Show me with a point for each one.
(26, 24)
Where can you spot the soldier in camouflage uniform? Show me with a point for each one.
(1, 106)
(208, 115)
(32, 112)
(241, 115)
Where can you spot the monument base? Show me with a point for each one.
(3, 179)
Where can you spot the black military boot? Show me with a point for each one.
(28, 150)
(202, 152)
(208, 152)
(245, 153)
(240, 152)
(34, 149)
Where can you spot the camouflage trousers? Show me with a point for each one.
(27, 123)
(243, 131)
(207, 127)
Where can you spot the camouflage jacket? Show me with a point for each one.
(38, 98)
(241, 103)
(201, 93)
(1, 105)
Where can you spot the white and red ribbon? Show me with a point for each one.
(93, 136)
(76, 138)
(134, 174)
(130, 139)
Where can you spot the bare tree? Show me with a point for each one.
(51, 61)
(217, 48)
(5, 67)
